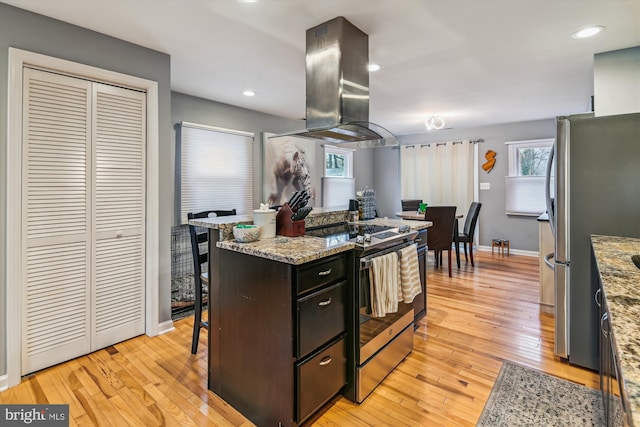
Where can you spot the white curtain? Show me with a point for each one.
(439, 173)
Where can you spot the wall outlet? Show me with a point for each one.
(485, 186)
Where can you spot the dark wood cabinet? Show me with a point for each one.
(614, 398)
(319, 377)
(280, 347)
(320, 317)
(609, 371)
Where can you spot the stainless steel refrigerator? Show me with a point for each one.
(596, 163)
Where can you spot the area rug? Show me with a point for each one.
(526, 397)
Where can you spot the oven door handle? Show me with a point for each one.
(365, 262)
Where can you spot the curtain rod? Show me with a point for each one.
(471, 141)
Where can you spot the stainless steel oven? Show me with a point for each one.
(376, 345)
(383, 342)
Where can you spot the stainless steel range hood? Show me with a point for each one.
(338, 88)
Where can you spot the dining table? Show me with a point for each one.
(415, 215)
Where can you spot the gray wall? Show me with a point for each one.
(363, 168)
(374, 168)
(36, 33)
(185, 108)
(198, 110)
(616, 82)
(493, 222)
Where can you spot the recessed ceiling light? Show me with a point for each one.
(248, 92)
(248, 1)
(587, 32)
(373, 67)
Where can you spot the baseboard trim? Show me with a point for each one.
(165, 327)
(4, 382)
(511, 251)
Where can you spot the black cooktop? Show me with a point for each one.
(367, 237)
(349, 231)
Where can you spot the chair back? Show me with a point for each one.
(440, 234)
(411, 204)
(199, 235)
(472, 219)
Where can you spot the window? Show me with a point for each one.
(338, 162)
(525, 185)
(216, 169)
(529, 158)
(338, 185)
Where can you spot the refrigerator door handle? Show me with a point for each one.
(548, 262)
(547, 192)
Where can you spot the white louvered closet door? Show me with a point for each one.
(83, 217)
(119, 132)
(56, 230)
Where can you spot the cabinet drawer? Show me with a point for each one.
(321, 317)
(319, 378)
(321, 273)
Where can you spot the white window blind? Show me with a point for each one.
(524, 195)
(216, 169)
(524, 187)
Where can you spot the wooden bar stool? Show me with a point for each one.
(501, 244)
(505, 245)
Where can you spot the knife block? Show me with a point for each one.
(285, 226)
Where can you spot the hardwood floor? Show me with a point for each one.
(476, 320)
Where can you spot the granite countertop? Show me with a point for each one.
(303, 249)
(289, 250)
(620, 284)
(318, 216)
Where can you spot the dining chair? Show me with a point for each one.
(440, 234)
(466, 237)
(410, 204)
(200, 236)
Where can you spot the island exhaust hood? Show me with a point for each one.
(338, 88)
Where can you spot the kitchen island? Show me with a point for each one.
(620, 282)
(278, 318)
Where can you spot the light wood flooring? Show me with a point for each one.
(476, 320)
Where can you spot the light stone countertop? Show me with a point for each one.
(289, 250)
(295, 250)
(620, 280)
(317, 217)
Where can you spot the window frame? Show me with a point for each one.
(524, 194)
(514, 148)
(348, 160)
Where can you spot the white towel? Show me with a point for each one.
(384, 281)
(409, 274)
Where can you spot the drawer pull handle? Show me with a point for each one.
(325, 302)
(325, 361)
(325, 273)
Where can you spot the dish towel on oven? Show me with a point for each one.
(384, 279)
(409, 274)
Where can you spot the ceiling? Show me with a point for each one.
(472, 62)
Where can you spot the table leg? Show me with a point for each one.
(455, 241)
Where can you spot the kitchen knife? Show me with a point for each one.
(301, 213)
(305, 200)
(296, 201)
(293, 198)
